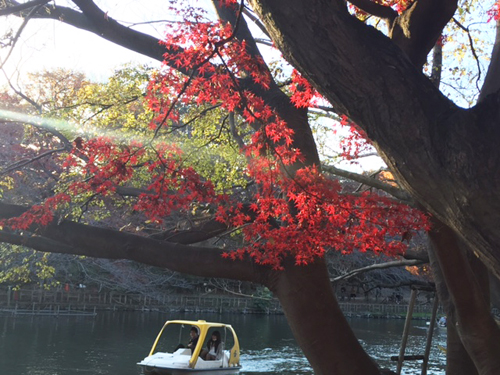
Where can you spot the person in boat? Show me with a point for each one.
(214, 348)
(442, 321)
(193, 333)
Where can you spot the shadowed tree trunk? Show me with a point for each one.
(318, 324)
(467, 303)
(458, 361)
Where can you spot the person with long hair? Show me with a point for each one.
(214, 348)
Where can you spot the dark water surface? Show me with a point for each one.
(112, 343)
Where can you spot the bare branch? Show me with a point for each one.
(473, 50)
(18, 33)
(22, 163)
(18, 8)
(397, 263)
(392, 190)
(265, 42)
(247, 12)
(37, 106)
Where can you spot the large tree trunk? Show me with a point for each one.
(318, 324)
(467, 282)
(458, 361)
(445, 156)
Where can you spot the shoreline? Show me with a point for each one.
(83, 302)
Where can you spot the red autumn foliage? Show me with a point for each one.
(494, 12)
(303, 94)
(356, 141)
(300, 214)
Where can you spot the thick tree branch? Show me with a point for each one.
(107, 28)
(492, 79)
(80, 239)
(417, 30)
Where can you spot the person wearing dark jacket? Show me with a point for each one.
(194, 339)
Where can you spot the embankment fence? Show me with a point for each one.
(60, 300)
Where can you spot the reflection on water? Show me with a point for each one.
(112, 343)
(287, 360)
(382, 339)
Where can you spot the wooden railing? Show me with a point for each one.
(37, 299)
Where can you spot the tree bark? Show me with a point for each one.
(416, 30)
(492, 79)
(458, 361)
(467, 283)
(79, 239)
(318, 324)
(445, 156)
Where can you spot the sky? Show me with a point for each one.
(45, 44)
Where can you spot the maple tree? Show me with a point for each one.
(97, 107)
(295, 213)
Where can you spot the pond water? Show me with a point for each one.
(112, 343)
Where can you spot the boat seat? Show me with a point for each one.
(183, 351)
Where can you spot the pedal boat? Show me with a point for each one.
(182, 362)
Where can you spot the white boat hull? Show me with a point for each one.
(178, 364)
(148, 370)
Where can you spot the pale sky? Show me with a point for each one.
(46, 44)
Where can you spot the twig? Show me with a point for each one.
(397, 263)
